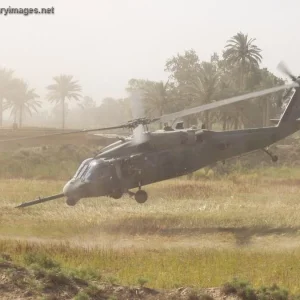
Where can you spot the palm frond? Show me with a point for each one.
(64, 87)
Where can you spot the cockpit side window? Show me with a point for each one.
(80, 174)
(82, 168)
(96, 171)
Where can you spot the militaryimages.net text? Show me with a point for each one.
(26, 11)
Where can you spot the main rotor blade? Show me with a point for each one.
(62, 133)
(216, 104)
(282, 67)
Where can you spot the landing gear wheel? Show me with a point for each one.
(116, 194)
(274, 158)
(71, 201)
(141, 196)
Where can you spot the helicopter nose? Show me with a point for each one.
(74, 188)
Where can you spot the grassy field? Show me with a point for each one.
(199, 232)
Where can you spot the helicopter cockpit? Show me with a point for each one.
(93, 178)
(82, 168)
(96, 170)
(92, 169)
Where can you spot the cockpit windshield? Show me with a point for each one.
(82, 168)
(92, 170)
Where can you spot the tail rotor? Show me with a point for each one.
(282, 67)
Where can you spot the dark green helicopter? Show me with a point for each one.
(147, 157)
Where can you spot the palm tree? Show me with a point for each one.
(156, 97)
(22, 100)
(64, 87)
(242, 53)
(5, 80)
(268, 102)
(205, 87)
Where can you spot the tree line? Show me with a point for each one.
(191, 82)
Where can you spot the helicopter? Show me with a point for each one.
(147, 157)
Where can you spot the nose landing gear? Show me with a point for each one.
(117, 194)
(72, 201)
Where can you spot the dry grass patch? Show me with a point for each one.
(250, 202)
(171, 268)
(189, 232)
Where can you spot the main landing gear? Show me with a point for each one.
(140, 196)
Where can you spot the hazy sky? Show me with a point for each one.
(104, 43)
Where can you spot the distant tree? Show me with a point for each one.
(56, 113)
(183, 68)
(205, 87)
(64, 87)
(5, 84)
(156, 95)
(87, 103)
(135, 84)
(85, 115)
(242, 53)
(125, 106)
(22, 100)
(269, 103)
(110, 113)
(250, 113)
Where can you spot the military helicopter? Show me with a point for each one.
(148, 157)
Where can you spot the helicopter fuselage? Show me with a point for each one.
(166, 154)
(151, 157)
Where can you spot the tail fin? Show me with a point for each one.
(292, 110)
